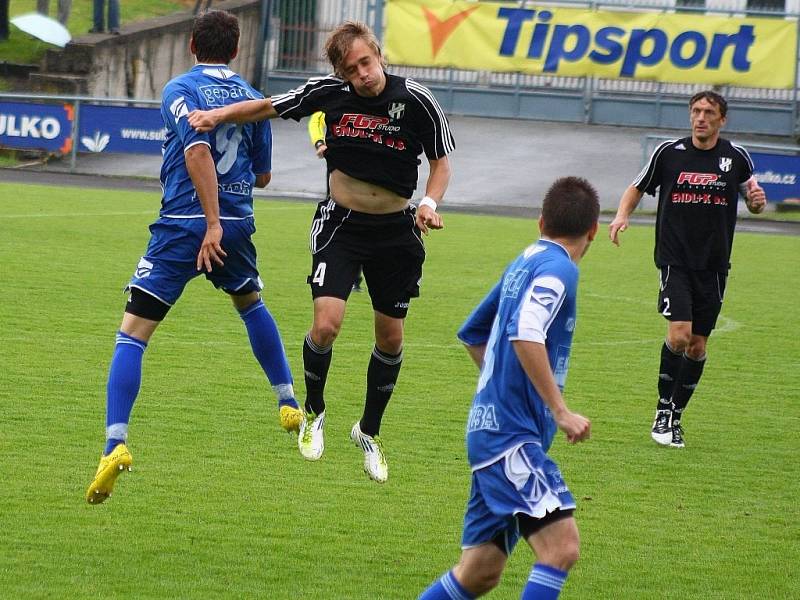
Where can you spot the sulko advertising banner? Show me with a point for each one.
(36, 126)
(691, 48)
(120, 129)
(779, 175)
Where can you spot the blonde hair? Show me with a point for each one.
(341, 39)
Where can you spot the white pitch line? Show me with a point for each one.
(154, 213)
(79, 215)
(724, 324)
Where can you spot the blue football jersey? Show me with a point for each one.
(534, 301)
(240, 152)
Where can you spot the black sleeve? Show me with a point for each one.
(649, 178)
(307, 99)
(746, 172)
(435, 136)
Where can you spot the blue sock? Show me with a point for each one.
(265, 340)
(446, 588)
(124, 379)
(545, 583)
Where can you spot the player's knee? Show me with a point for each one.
(479, 580)
(679, 340)
(391, 344)
(569, 554)
(696, 350)
(325, 331)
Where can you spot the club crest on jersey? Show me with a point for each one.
(725, 163)
(396, 110)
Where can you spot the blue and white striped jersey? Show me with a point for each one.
(534, 301)
(240, 152)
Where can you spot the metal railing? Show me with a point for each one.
(77, 102)
(299, 29)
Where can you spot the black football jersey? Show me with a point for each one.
(374, 139)
(697, 201)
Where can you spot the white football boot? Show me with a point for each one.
(374, 459)
(311, 440)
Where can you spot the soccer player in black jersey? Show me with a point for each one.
(699, 179)
(377, 125)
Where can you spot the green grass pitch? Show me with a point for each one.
(220, 503)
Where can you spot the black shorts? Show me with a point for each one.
(694, 296)
(388, 248)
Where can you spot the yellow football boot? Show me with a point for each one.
(108, 470)
(291, 418)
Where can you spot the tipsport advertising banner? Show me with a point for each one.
(690, 48)
(36, 126)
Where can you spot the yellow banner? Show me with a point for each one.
(685, 47)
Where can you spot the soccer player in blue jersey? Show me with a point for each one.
(520, 337)
(205, 226)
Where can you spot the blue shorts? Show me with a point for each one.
(525, 481)
(170, 261)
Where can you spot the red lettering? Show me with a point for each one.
(697, 178)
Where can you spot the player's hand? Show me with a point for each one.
(211, 251)
(427, 219)
(756, 197)
(203, 120)
(576, 427)
(617, 226)
(321, 149)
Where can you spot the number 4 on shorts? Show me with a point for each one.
(319, 274)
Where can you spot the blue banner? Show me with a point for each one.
(778, 174)
(121, 129)
(36, 126)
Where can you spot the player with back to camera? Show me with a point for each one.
(520, 337)
(377, 126)
(205, 225)
(699, 179)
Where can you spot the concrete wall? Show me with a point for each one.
(145, 56)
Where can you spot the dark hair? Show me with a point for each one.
(712, 97)
(341, 40)
(216, 36)
(570, 208)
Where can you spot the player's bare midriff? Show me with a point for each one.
(364, 197)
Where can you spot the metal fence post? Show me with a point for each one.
(76, 125)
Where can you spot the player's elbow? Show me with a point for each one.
(197, 152)
(263, 179)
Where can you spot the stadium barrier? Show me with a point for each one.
(298, 29)
(66, 125)
(777, 167)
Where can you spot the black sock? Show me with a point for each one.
(316, 361)
(667, 374)
(685, 384)
(381, 377)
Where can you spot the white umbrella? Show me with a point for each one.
(46, 29)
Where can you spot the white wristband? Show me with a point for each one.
(429, 202)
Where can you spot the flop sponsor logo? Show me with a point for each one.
(697, 178)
